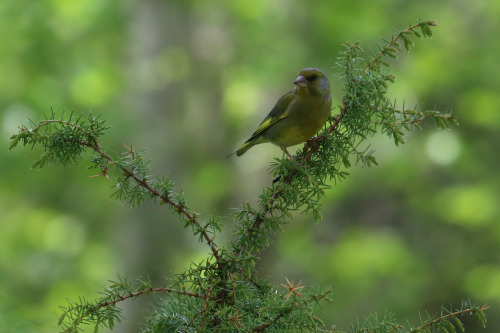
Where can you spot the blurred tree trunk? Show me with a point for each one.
(149, 238)
(175, 98)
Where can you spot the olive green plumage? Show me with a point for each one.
(297, 116)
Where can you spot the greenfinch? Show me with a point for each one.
(298, 114)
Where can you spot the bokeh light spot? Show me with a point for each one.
(484, 282)
(92, 87)
(65, 236)
(467, 205)
(443, 148)
(241, 99)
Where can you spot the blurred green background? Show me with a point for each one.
(189, 81)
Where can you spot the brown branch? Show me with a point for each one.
(147, 291)
(234, 286)
(204, 311)
(178, 207)
(249, 278)
(453, 314)
(256, 225)
(164, 197)
(263, 327)
(393, 43)
(57, 121)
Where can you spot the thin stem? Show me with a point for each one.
(393, 42)
(58, 121)
(147, 291)
(204, 311)
(453, 314)
(144, 183)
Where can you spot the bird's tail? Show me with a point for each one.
(242, 149)
(254, 140)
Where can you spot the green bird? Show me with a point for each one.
(298, 114)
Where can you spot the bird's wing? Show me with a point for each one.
(279, 112)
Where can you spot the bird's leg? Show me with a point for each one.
(286, 152)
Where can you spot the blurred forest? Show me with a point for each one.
(188, 81)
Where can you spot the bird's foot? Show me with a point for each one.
(287, 153)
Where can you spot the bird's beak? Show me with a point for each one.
(301, 81)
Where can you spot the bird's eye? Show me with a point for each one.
(312, 78)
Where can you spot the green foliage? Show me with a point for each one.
(448, 321)
(224, 293)
(63, 141)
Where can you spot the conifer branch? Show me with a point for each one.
(149, 291)
(391, 48)
(179, 207)
(90, 140)
(478, 311)
(224, 292)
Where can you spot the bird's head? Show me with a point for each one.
(312, 81)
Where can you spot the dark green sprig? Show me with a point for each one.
(373, 323)
(103, 312)
(63, 140)
(392, 47)
(449, 320)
